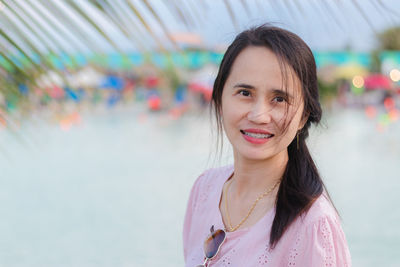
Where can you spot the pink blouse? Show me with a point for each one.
(315, 239)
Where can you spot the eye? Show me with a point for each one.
(244, 92)
(279, 99)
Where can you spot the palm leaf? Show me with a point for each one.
(160, 22)
(246, 7)
(183, 13)
(73, 26)
(26, 41)
(364, 15)
(35, 21)
(178, 13)
(388, 9)
(145, 24)
(55, 26)
(77, 9)
(30, 28)
(231, 15)
(329, 12)
(10, 61)
(109, 11)
(195, 12)
(130, 25)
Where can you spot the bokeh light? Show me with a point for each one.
(358, 81)
(394, 115)
(370, 111)
(384, 119)
(389, 103)
(395, 75)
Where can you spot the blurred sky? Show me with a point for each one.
(324, 25)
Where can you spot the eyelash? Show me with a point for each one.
(281, 97)
(242, 91)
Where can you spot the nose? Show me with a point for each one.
(260, 113)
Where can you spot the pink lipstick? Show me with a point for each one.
(256, 136)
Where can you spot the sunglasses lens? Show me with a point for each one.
(213, 242)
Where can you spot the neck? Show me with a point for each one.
(252, 177)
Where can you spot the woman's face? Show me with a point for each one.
(257, 105)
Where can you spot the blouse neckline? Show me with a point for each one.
(220, 222)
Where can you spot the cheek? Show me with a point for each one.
(231, 117)
(278, 116)
(227, 116)
(227, 112)
(287, 123)
(281, 118)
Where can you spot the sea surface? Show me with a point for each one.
(112, 190)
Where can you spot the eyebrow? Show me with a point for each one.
(244, 85)
(275, 91)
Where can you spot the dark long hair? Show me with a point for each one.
(301, 183)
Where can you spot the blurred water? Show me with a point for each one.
(113, 191)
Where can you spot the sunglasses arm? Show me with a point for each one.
(204, 263)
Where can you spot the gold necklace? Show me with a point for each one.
(232, 229)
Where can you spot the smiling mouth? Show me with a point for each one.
(257, 135)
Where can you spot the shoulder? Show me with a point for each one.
(212, 177)
(320, 240)
(321, 209)
(322, 221)
(208, 184)
(319, 219)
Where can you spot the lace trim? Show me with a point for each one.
(327, 245)
(265, 257)
(294, 252)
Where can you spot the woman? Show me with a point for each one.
(270, 208)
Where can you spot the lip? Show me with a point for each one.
(253, 130)
(254, 140)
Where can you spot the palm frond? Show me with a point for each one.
(145, 24)
(231, 14)
(88, 19)
(161, 23)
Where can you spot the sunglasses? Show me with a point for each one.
(212, 245)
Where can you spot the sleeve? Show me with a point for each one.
(190, 209)
(324, 245)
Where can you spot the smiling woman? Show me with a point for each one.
(270, 208)
(254, 110)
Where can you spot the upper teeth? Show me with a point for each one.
(257, 135)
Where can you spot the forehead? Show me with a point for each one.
(261, 68)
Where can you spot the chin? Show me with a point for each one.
(255, 158)
(254, 154)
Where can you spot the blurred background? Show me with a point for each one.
(105, 123)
